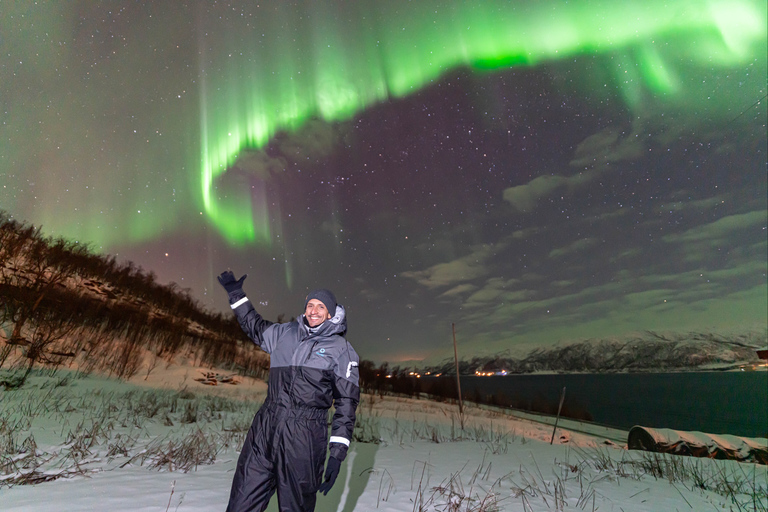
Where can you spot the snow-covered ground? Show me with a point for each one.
(170, 443)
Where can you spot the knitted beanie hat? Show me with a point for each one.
(326, 297)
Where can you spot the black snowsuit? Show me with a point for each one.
(284, 451)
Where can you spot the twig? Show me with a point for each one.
(173, 486)
(681, 494)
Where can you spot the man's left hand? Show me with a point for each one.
(331, 472)
(228, 281)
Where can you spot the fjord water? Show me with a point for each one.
(728, 402)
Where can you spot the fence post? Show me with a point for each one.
(458, 380)
(562, 398)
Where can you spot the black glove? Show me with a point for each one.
(331, 472)
(228, 281)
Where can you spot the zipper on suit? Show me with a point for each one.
(309, 354)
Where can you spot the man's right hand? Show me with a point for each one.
(228, 281)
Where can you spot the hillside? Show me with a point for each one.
(62, 305)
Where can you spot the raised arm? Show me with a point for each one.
(250, 321)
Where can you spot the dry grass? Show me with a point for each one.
(103, 430)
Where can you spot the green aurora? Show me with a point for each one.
(289, 69)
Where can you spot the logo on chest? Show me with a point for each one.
(321, 352)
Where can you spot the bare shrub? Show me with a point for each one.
(186, 454)
(366, 430)
(726, 478)
(190, 413)
(60, 301)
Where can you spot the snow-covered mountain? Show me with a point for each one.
(650, 351)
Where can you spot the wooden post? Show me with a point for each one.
(458, 380)
(562, 398)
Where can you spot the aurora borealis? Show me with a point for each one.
(341, 65)
(532, 171)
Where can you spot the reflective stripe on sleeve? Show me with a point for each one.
(239, 303)
(337, 439)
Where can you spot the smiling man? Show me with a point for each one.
(312, 366)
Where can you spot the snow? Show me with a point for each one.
(424, 460)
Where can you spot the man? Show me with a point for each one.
(311, 367)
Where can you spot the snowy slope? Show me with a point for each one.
(112, 440)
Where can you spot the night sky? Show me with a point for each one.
(533, 172)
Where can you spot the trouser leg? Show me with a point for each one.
(300, 459)
(254, 482)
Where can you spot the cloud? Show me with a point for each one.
(626, 295)
(629, 253)
(259, 163)
(496, 290)
(721, 229)
(746, 271)
(596, 151)
(315, 140)
(524, 198)
(701, 204)
(458, 271)
(490, 298)
(700, 243)
(607, 146)
(459, 290)
(523, 234)
(639, 312)
(577, 246)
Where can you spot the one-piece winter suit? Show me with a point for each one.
(310, 370)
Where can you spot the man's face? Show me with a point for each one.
(316, 313)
